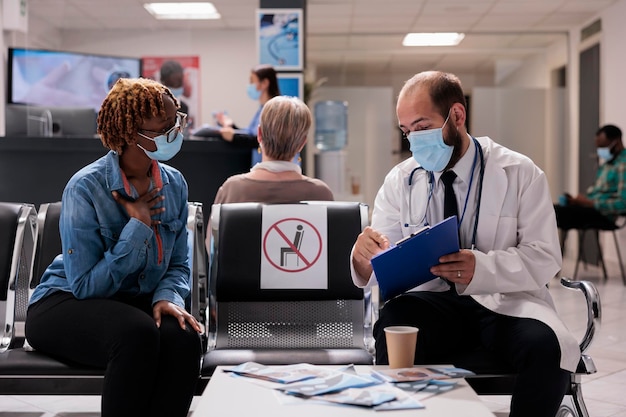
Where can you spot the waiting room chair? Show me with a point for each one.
(582, 232)
(495, 379)
(24, 371)
(197, 303)
(282, 323)
(48, 240)
(18, 234)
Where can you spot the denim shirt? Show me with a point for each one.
(107, 254)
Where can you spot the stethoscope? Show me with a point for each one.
(431, 183)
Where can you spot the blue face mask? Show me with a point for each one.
(429, 149)
(177, 92)
(253, 93)
(165, 150)
(604, 153)
(169, 143)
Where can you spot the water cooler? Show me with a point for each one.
(331, 138)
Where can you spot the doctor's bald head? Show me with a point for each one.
(444, 89)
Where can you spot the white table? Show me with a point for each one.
(226, 396)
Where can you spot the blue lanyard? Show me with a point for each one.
(471, 181)
(431, 180)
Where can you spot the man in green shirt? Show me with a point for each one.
(605, 200)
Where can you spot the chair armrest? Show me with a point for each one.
(197, 254)
(594, 309)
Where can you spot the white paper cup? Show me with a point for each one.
(401, 342)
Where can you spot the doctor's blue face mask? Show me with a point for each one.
(429, 149)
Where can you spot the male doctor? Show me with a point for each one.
(491, 294)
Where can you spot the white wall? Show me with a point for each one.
(538, 131)
(613, 65)
(531, 73)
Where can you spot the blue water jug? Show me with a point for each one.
(331, 125)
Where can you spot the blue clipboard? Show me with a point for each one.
(407, 264)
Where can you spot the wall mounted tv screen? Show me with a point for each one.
(65, 79)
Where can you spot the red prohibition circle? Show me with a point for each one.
(275, 226)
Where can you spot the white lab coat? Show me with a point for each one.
(517, 247)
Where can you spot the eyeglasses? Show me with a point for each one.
(171, 133)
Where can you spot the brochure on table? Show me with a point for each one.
(380, 390)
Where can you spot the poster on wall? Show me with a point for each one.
(181, 75)
(279, 35)
(291, 84)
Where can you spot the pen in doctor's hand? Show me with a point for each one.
(369, 243)
(373, 241)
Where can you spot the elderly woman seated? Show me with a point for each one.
(282, 133)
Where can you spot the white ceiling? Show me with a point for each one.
(348, 35)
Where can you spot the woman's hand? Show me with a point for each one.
(142, 208)
(164, 307)
(228, 133)
(223, 119)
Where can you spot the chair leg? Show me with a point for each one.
(619, 257)
(601, 256)
(573, 403)
(581, 239)
(563, 238)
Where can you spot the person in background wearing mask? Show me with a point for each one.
(172, 75)
(263, 86)
(605, 200)
(491, 295)
(115, 298)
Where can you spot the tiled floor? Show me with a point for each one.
(603, 391)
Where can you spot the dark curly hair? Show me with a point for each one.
(129, 103)
(611, 132)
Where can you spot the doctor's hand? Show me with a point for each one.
(369, 243)
(456, 267)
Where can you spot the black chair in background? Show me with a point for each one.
(582, 232)
(283, 325)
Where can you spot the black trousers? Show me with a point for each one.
(451, 326)
(149, 371)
